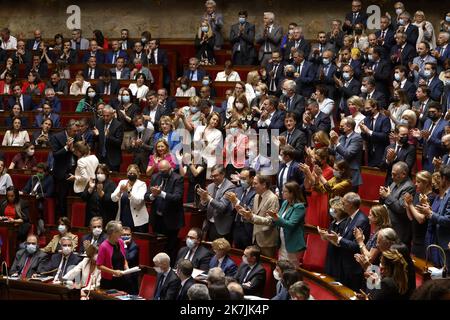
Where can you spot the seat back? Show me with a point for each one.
(318, 292)
(5, 249)
(78, 217)
(270, 286)
(315, 254)
(148, 285)
(317, 210)
(373, 179)
(20, 180)
(49, 211)
(144, 251)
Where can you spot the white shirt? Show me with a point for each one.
(155, 55)
(139, 92)
(11, 44)
(234, 76)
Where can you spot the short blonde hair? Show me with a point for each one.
(252, 76)
(357, 101)
(166, 119)
(221, 244)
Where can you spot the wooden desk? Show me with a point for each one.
(32, 290)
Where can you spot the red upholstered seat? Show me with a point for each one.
(372, 180)
(144, 251)
(318, 292)
(317, 210)
(20, 180)
(78, 217)
(148, 285)
(315, 254)
(49, 211)
(5, 248)
(365, 209)
(269, 288)
(127, 159)
(116, 180)
(419, 280)
(236, 259)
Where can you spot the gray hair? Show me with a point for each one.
(113, 226)
(210, 3)
(198, 291)
(353, 198)
(48, 90)
(108, 108)
(65, 239)
(270, 15)
(446, 34)
(370, 80)
(388, 234)
(402, 166)
(161, 258)
(406, 14)
(290, 84)
(216, 275)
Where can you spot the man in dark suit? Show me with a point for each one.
(421, 106)
(350, 272)
(314, 120)
(271, 119)
(68, 55)
(184, 271)
(401, 150)
(445, 101)
(166, 194)
(94, 52)
(108, 86)
(290, 101)
(369, 91)
(244, 196)
(96, 235)
(23, 100)
(347, 87)
(59, 85)
(108, 132)
(442, 51)
(294, 137)
(125, 42)
(392, 196)
(219, 211)
(273, 74)
(92, 71)
(297, 43)
(156, 55)
(34, 44)
(64, 162)
(380, 70)
(37, 65)
(29, 260)
(116, 53)
(269, 37)
(167, 283)
(251, 274)
(47, 113)
(432, 81)
(402, 53)
(401, 81)
(405, 26)
(319, 48)
(194, 73)
(305, 74)
(132, 257)
(431, 135)
(349, 147)
(242, 37)
(326, 71)
(194, 251)
(289, 169)
(40, 185)
(166, 104)
(445, 160)
(375, 131)
(385, 36)
(62, 262)
(355, 17)
(120, 72)
(139, 53)
(141, 143)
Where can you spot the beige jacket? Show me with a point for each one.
(51, 246)
(265, 235)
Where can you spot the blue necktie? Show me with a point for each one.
(159, 287)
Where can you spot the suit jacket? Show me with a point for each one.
(424, 112)
(321, 122)
(389, 39)
(170, 287)
(98, 55)
(277, 121)
(412, 33)
(220, 208)
(125, 75)
(299, 141)
(360, 18)
(182, 293)
(132, 254)
(27, 102)
(265, 235)
(277, 77)
(84, 44)
(38, 260)
(102, 237)
(378, 96)
(305, 83)
(328, 78)
(42, 69)
(29, 45)
(62, 157)
(112, 142)
(432, 146)
(445, 55)
(350, 150)
(303, 46)
(441, 221)
(382, 74)
(273, 40)
(297, 105)
(114, 89)
(436, 87)
(294, 174)
(96, 206)
(243, 42)
(397, 213)
(410, 90)
(61, 86)
(171, 207)
(407, 54)
(55, 261)
(406, 154)
(256, 277)
(97, 73)
(201, 258)
(110, 56)
(377, 142)
(200, 73)
(53, 116)
(228, 266)
(316, 58)
(345, 92)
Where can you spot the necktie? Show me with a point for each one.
(448, 159)
(300, 69)
(273, 86)
(24, 272)
(104, 142)
(61, 271)
(397, 149)
(189, 255)
(375, 65)
(159, 287)
(156, 57)
(383, 34)
(247, 273)
(348, 224)
(288, 104)
(281, 176)
(372, 123)
(321, 49)
(355, 15)
(90, 73)
(288, 139)
(431, 129)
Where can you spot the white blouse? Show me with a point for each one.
(76, 91)
(5, 182)
(15, 141)
(138, 92)
(234, 76)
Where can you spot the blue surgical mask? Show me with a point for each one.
(126, 238)
(205, 29)
(397, 76)
(190, 243)
(447, 18)
(242, 20)
(140, 129)
(427, 73)
(398, 11)
(126, 99)
(326, 61)
(194, 109)
(244, 184)
(31, 248)
(346, 76)
(401, 22)
(205, 82)
(184, 87)
(233, 131)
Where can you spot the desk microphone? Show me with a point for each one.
(6, 270)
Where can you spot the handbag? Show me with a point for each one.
(433, 272)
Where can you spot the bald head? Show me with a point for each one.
(164, 166)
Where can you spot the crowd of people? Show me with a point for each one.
(301, 126)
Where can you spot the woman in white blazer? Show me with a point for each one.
(86, 167)
(130, 196)
(86, 274)
(16, 136)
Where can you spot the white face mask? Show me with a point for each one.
(91, 95)
(239, 106)
(363, 89)
(158, 269)
(97, 231)
(62, 228)
(276, 275)
(244, 259)
(140, 128)
(101, 177)
(66, 250)
(258, 93)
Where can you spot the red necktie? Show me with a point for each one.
(23, 275)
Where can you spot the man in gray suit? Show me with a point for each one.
(242, 36)
(77, 42)
(349, 147)
(219, 211)
(120, 72)
(215, 19)
(392, 197)
(317, 49)
(269, 37)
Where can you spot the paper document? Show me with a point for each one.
(197, 272)
(131, 270)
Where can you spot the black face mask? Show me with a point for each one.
(403, 140)
(289, 74)
(132, 177)
(444, 146)
(341, 131)
(367, 113)
(358, 32)
(433, 116)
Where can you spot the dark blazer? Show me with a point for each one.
(297, 105)
(114, 90)
(360, 18)
(350, 271)
(407, 55)
(110, 56)
(172, 205)
(103, 207)
(377, 142)
(410, 90)
(62, 158)
(38, 259)
(441, 221)
(277, 77)
(205, 48)
(53, 116)
(61, 86)
(327, 80)
(47, 186)
(143, 58)
(436, 87)
(200, 73)
(397, 213)
(130, 44)
(321, 122)
(277, 121)
(71, 59)
(30, 44)
(303, 46)
(55, 261)
(299, 141)
(89, 238)
(432, 146)
(412, 33)
(345, 92)
(257, 279)
(112, 142)
(42, 69)
(9, 121)
(444, 56)
(228, 266)
(170, 287)
(382, 75)
(162, 58)
(378, 96)
(305, 83)
(99, 55)
(242, 229)
(55, 103)
(389, 39)
(294, 174)
(201, 258)
(132, 254)
(350, 150)
(244, 40)
(406, 154)
(98, 72)
(356, 65)
(27, 102)
(182, 293)
(125, 75)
